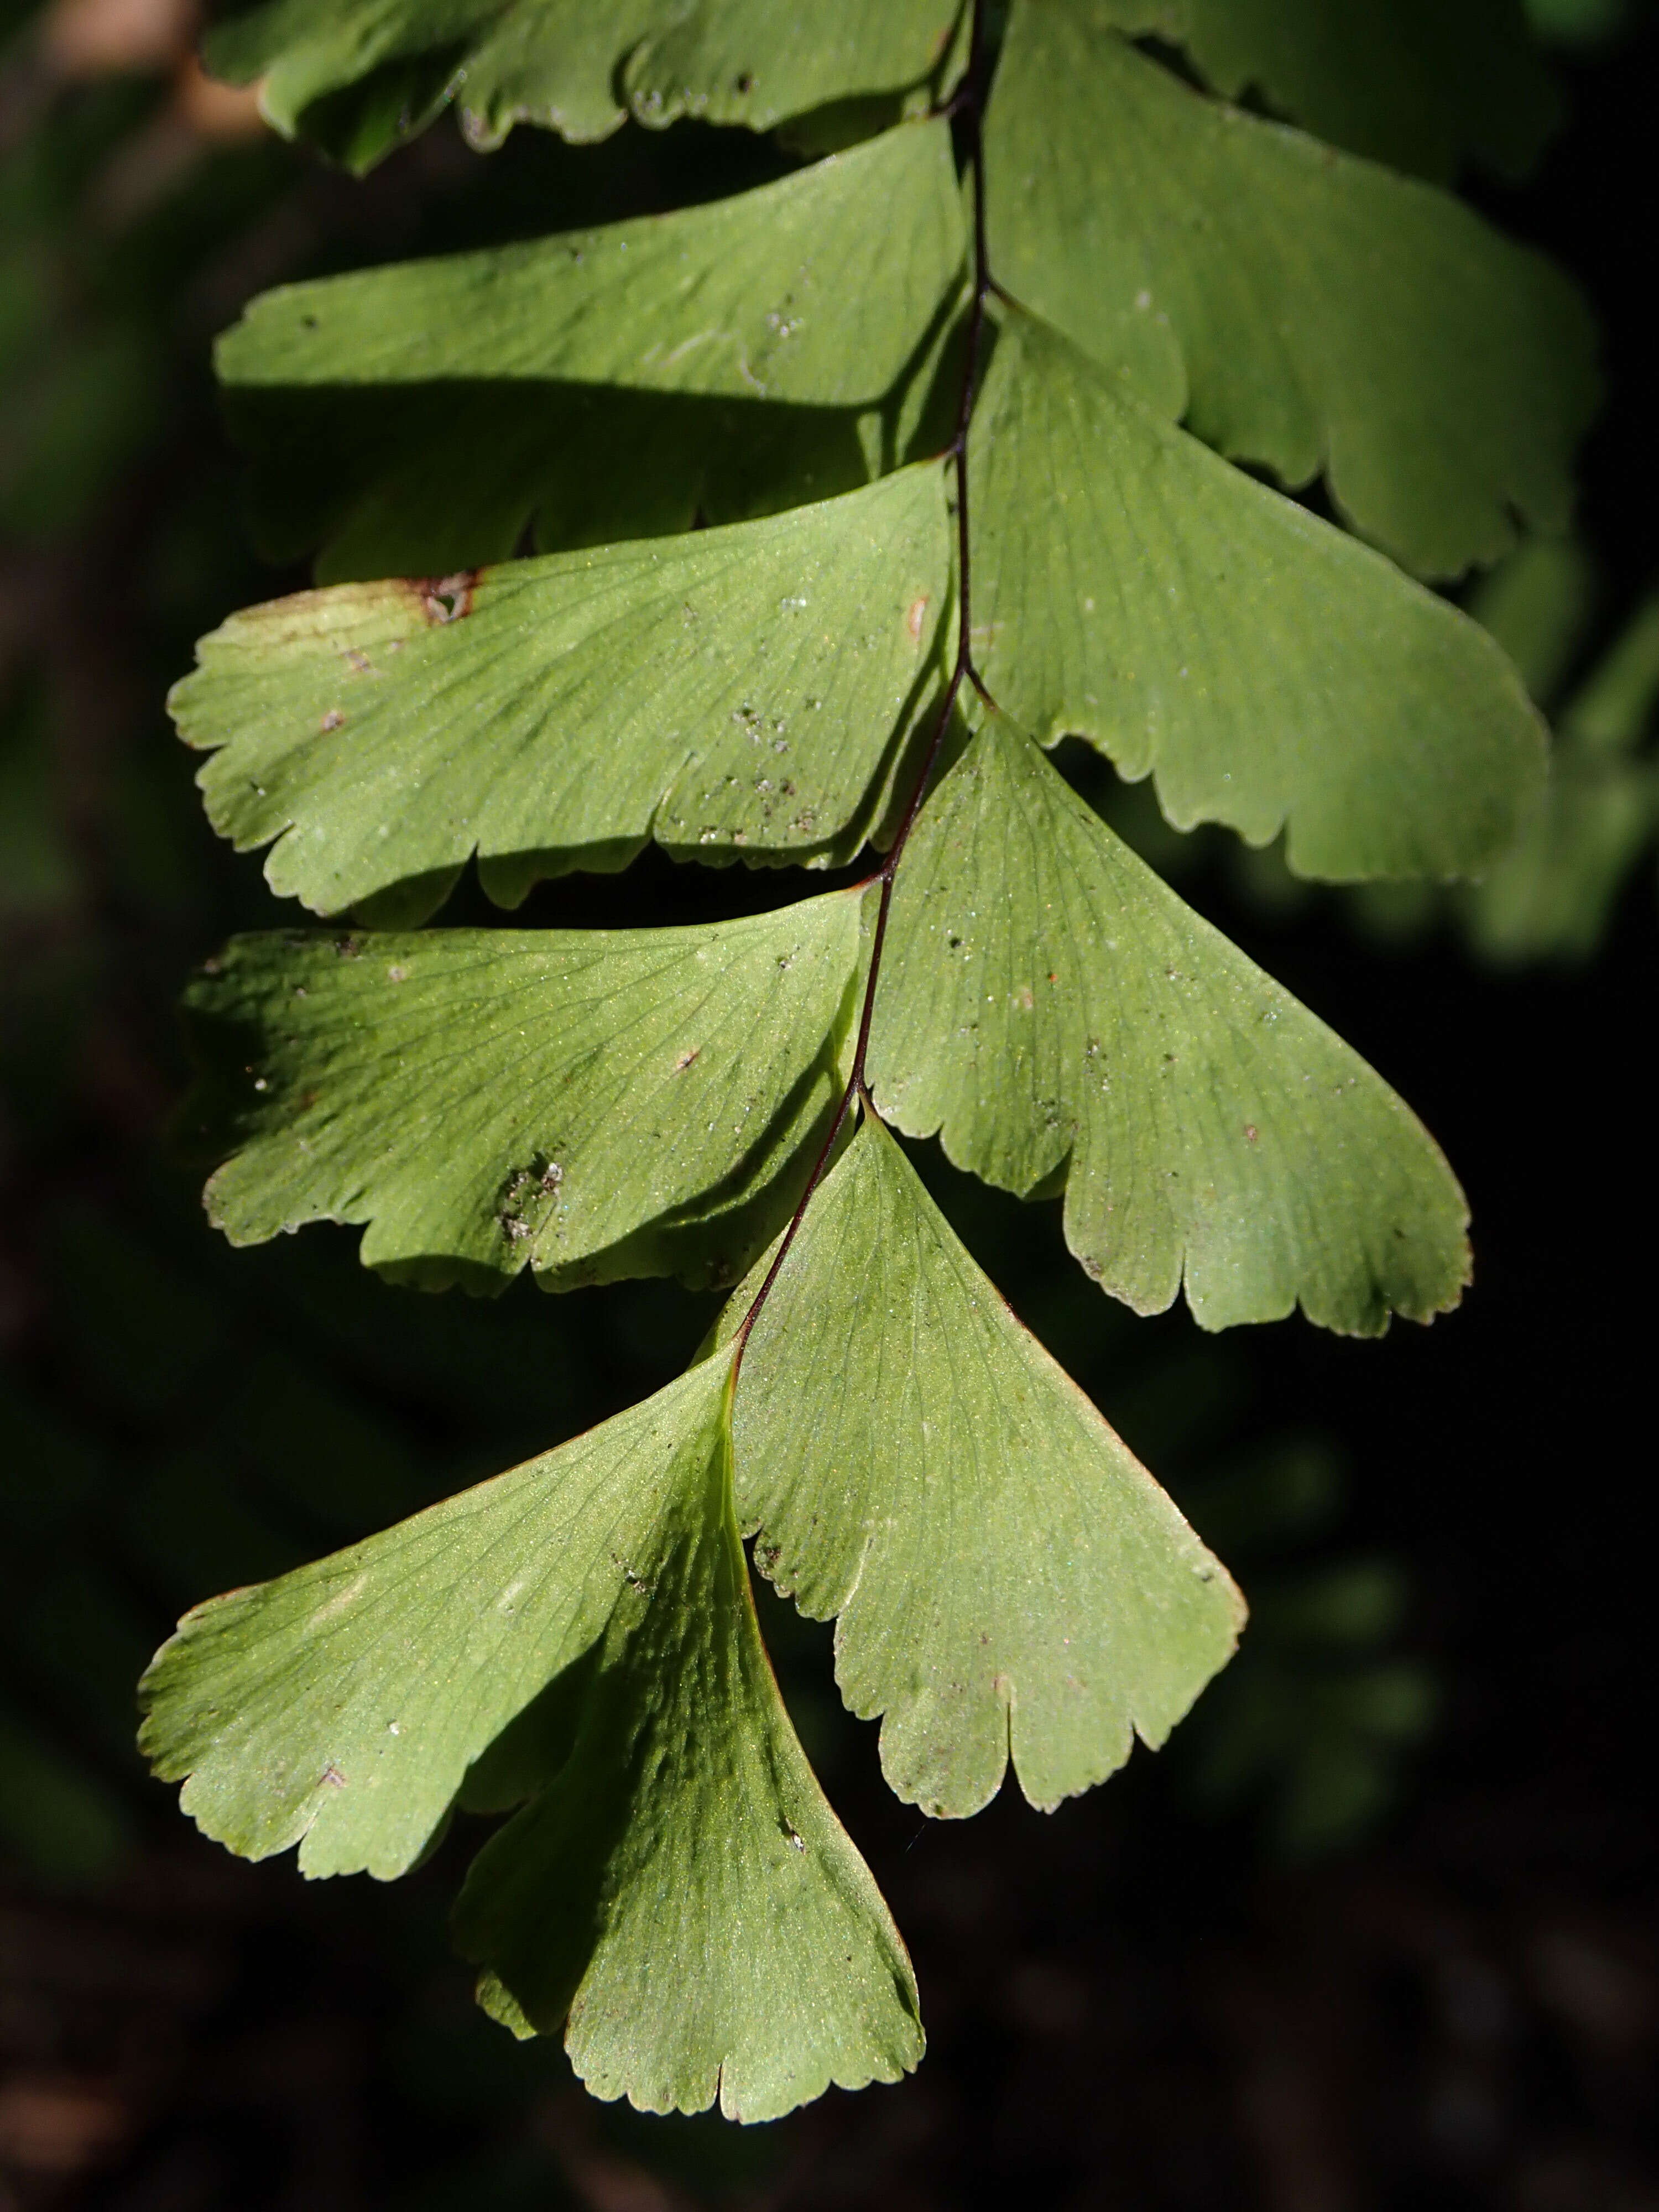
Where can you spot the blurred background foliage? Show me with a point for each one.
(1378, 1928)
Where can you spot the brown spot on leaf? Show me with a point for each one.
(332, 719)
(686, 1059)
(1249, 1133)
(912, 621)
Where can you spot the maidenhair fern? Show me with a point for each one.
(855, 492)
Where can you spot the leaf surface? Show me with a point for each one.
(706, 366)
(486, 1099)
(745, 689)
(403, 479)
(1417, 83)
(681, 1888)
(556, 62)
(312, 58)
(1047, 1002)
(1006, 1575)
(340, 1706)
(1266, 667)
(754, 63)
(1298, 308)
(814, 290)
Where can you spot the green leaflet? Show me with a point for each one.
(1414, 82)
(1006, 1574)
(341, 1706)
(814, 290)
(592, 1102)
(711, 364)
(1300, 309)
(752, 61)
(681, 1888)
(745, 690)
(1189, 621)
(1047, 1002)
(360, 77)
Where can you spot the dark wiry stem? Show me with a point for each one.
(968, 104)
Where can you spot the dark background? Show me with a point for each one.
(1377, 1931)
